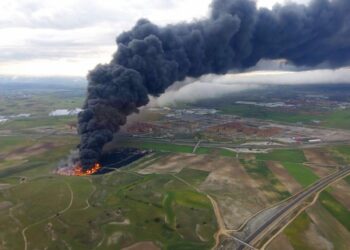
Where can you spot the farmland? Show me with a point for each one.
(190, 187)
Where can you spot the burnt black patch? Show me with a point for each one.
(120, 158)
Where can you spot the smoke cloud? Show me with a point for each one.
(212, 86)
(235, 36)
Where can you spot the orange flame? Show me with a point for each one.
(79, 171)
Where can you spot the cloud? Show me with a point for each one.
(211, 86)
(37, 32)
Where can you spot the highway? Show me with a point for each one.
(293, 203)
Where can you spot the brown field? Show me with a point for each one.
(320, 157)
(316, 239)
(341, 191)
(320, 161)
(167, 164)
(174, 163)
(236, 192)
(320, 170)
(280, 242)
(242, 128)
(147, 245)
(25, 152)
(282, 175)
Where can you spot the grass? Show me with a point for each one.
(40, 199)
(343, 149)
(215, 151)
(347, 179)
(175, 148)
(144, 200)
(283, 155)
(47, 160)
(40, 104)
(337, 119)
(10, 142)
(21, 124)
(193, 176)
(163, 147)
(168, 202)
(227, 153)
(302, 174)
(341, 213)
(182, 198)
(341, 154)
(296, 232)
(269, 114)
(192, 199)
(136, 197)
(331, 119)
(186, 246)
(204, 150)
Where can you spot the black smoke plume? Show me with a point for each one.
(236, 36)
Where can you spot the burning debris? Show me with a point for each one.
(235, 36)
(70, 165)
(79, 171)
(109, 162)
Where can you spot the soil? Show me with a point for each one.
(319, 156)
(282, 175)
(146, 245)
(243, 198)
(341, 191)
(280, 242)
(24, 152)
(317, 240)
(329, 227)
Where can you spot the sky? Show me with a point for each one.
(69, 37)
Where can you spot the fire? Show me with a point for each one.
(79, 171)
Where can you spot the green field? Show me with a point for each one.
(28, 123)
(331, 119)
(98, 212)
(342, 153)
(161, 147)
(344, 150)
(193, 176)
(227, 153)
(337, 119)
(283, 155)
(138, 203)
(11, 142)
(341, 213)
(175, 148)
(296, 232)
(102, 212)
(215, 151)
(268, 114)
(41, 104)
(302, 174)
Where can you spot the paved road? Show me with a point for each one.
(288, 208)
